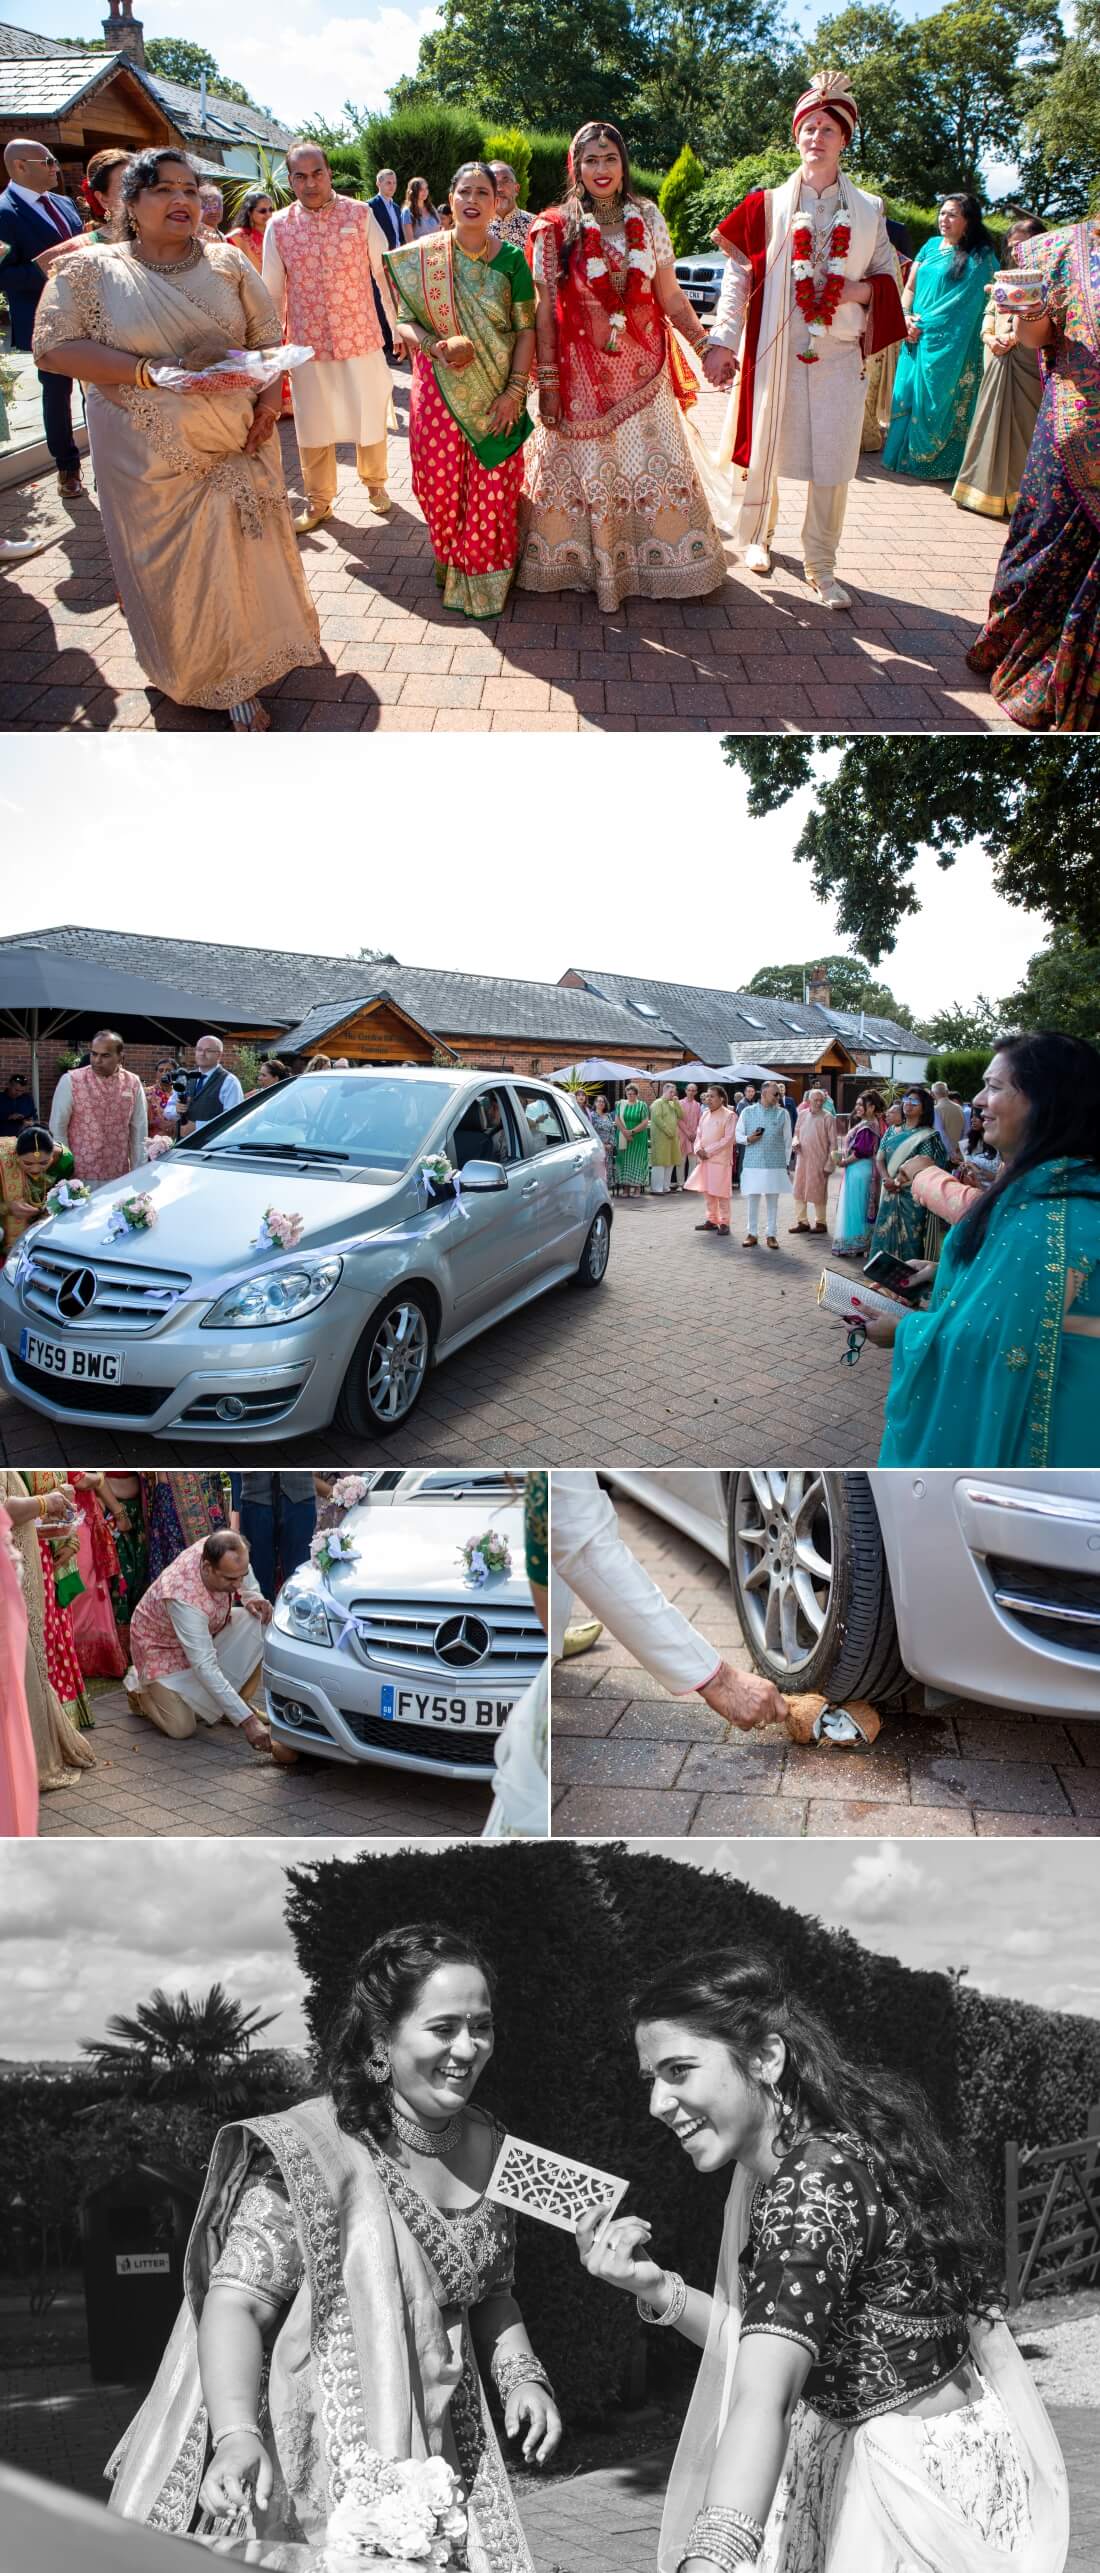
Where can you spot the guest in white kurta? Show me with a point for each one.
(323, 258)
(799, 410)
(588, 1556)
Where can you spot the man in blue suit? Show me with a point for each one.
(33, 219)
(384, 208)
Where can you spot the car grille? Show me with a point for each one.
(400, 1635)
(135, 1401)
(1060, 1608)
(462, 1750)
(127, 1299)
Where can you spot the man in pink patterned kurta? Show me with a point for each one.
(197, 1641)
(101, 1114)
(323, 257)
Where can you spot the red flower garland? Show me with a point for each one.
(594, 266)
(818, 310)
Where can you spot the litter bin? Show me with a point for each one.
(134, 2231)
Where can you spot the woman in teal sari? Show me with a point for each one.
(345, 2285)
(901, 1226)
(466, 311)
(939, 370)
(1003, 1367)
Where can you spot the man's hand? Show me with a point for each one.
(856, 290)
(719, 366)
(260, 1608)
(744, 1698)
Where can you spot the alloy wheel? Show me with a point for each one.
(397, 1362)
(784, 1559)
(599, 1247)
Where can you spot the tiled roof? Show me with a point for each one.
(717, 1024)
(47, 86)
(259, 980)
(324, 1021)
(21, 50)
(226, 120)
(20, 44)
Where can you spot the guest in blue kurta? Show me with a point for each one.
(939, 370)
(1003, 1367)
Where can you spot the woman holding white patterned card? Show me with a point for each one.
(859, 2403)
(349, 2243)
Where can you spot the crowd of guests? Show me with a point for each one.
(604, 484)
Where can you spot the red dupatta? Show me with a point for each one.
(603, 384)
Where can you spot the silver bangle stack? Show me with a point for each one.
(725, 2537)
(677, 2299)
(236, 2429)
(520, 2367)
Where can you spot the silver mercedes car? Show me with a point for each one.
(192, 1329)
(981, 1585)
(398, 1657)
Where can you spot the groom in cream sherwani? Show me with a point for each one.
(810, 293)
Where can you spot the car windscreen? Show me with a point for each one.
(381, 1124)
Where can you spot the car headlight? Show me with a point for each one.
(275, 1295)
(300, 1613)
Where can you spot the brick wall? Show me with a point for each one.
(15, 1056)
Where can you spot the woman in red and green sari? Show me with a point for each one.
(467, 312)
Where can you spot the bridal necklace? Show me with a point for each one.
(434, 2141)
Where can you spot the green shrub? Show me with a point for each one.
(347, 171)
(677, 199)
(428, 142)
(647, 183)
(722, 189)
(546, 168)
(963, 1070)
(507, 143)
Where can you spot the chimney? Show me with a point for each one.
(817, 988)
(123, 33)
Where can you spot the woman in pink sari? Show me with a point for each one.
(712, 1176)
(95, 1628)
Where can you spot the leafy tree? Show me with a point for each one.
(522, 63)
(1031, 807)
(1063, 118)
(903, 132)
(180, 2048)
(852, 986)
(1061, 989)
(978, 56)
(958, 1028)
(176, 58)
(678, 198)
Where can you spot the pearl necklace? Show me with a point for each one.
(433, 2141)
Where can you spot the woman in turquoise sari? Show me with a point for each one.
(901, 1226)
(939, 370)
(466, 307)
(345, 2285)
(1003, 1367)
(856, 1204)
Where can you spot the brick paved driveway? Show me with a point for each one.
(628, 1759)
(755, 657)
(214, 1786)
(693, 1352)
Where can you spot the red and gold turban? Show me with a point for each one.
(832, 91)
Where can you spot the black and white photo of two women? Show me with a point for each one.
(550, 2207)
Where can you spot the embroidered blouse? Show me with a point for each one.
(262, 2253)
(830, 2263)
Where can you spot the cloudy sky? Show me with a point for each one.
(87, 1929)
(631, 853)
(307, 59)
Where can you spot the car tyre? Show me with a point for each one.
(591, 1268)
(389, 1369)
(854, 1653)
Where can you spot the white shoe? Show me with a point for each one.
(828, 590)
(757, 558)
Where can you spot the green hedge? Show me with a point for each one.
(507, 143)
(724, 188)
(678, 199)
(428, 142)
(347, 171)
(962, 1069)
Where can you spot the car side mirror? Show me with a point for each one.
(480, 1177)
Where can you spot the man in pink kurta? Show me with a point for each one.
(197, 1641)
(323, 257)
(712, 1176)
(813, 1135)
(100, 1113)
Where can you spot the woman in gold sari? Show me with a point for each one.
(346, 2283)
(466, 311)
(190, 480)
(1007, 408)
(60, 1750)
(30, 1164)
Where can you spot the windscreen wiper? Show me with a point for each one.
(287, 1152)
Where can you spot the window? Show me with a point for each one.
(543, 1118)
(486, 1131)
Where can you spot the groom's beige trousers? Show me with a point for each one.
(822, 526)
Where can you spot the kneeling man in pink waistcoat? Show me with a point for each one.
(197, 1638)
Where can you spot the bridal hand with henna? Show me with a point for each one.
(239, 2469)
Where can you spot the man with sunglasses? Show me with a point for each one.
(32, 219)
